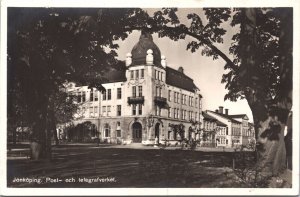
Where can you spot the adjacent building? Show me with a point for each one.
(234, 130)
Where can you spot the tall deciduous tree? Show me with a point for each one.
(260, 72)
(47, 47)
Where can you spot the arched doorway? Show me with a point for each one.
(157, 131)
(137, 132)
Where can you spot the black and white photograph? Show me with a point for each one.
(165, 99)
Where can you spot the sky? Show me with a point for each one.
(206, 72)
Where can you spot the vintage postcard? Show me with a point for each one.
(149, 98)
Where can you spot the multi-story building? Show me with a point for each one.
(237, 130)
(222, 133)
(209, 131)
(141, 102)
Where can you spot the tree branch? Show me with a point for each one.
(181, 30)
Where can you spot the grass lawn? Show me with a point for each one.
(122, 167)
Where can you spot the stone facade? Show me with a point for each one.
(141, 106)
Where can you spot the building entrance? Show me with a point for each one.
(137, 132)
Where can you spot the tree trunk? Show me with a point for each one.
(271, 147)
(270, 114)
(41, 134)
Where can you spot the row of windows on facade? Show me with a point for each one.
(182, 98)
(106, 95)
(182, 114)
(137, 74)
(248, 133)
(236, 131)
(136, 109)
(222, 141)
(93, 111)
(81, 96)
(107, 132)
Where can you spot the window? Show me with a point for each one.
(177, 113)
(119, 93)
(91, 111)
(104, 109)
(192, 101)
(178, 98)
(131, 74)
(160, 91)
(83, 96)
(109, 94)
(140, 91)
(181, 96)
(157, 91)
(133, 91)
(92, 95)
(169, 112)
(175, 97)
(134, 109)
(184, 100)
(96, 95)
(196, 115)
(161, 76)
(137, 74)
(95, 111)
(196, 102)
(118, 129)
(104, 95)
(106, 130)
(119, 110)
(169, 95)
(142, 73)
(184, 114)
(155, 74)
(140, 109)
(108, 108)
(157, 111)
(175, 110)
(158, 75)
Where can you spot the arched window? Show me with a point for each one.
(106, 130)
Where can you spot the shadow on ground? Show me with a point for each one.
(124, 167)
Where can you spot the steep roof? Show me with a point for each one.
(139, 51)
(239, 116)
(221, 124)
(225, 116)
(208, 117)
(179, 79)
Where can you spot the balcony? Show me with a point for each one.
(135, 100)
(161, 102)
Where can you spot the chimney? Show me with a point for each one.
(180, 69)
(217, 110)
(226, 111)
(221, 109)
